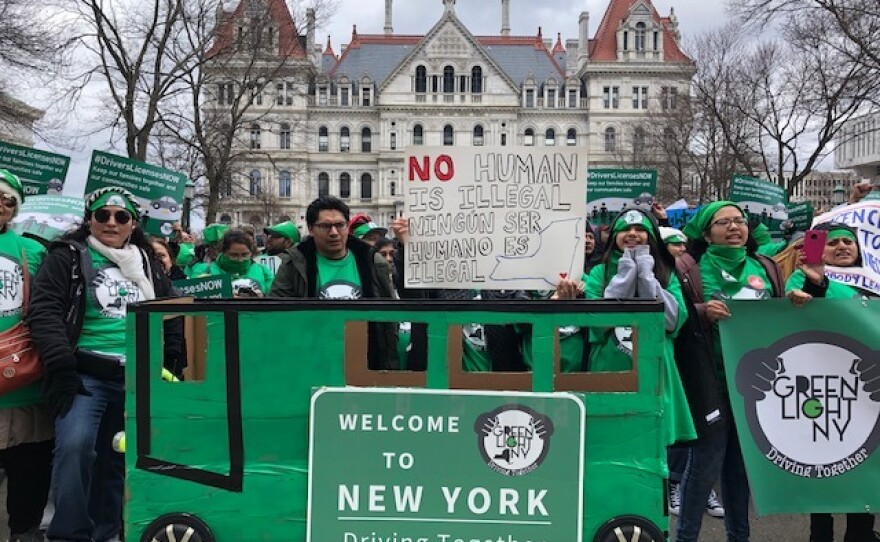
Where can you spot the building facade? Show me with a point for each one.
(17, 121)
(858, 147)
(343, 128)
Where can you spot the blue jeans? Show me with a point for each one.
(716, 455)
(88, 477)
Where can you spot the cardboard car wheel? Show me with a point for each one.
(177, 528)
(629, 529)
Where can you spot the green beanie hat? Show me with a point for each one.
(288, 230)
(761, 234)
(700, 222)
(214, 233)
(632, 218)
(113, 196)
(10, 184)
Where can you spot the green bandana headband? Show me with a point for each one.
(841, 232)
(632, 218)
(114, 199)
(700, 222)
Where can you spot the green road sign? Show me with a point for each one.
(213, 287)
(41, 172)
(609, 191)
(48, 217)
(444, 466)
(159, 190)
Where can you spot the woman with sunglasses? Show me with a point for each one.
(809, 281)
(77, 320)
(721, 263)
(26, 427)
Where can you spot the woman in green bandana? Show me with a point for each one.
(636, 265)
(809, 281)
(26, 427)
(721, 264)
(236, 258)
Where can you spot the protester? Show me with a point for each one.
(77, 321)
(789, 259)
(593, 247)
(236, 259)
(720, 264)
(331, 264)
(363, 227)
(281, 237)
(808, 282)
(205, 254)
(635, 265)
(674, 240)
(26, 427)
(163, 253)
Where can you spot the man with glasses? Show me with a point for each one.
(331, 264)
(281, 237)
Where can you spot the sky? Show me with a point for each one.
(482, 17)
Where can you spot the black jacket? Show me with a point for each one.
(58, 302)
(695, 354)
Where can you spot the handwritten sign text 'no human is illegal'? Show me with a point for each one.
(494, 217)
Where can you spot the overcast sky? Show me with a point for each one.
(483, 17)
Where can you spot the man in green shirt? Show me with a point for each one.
(331, 264)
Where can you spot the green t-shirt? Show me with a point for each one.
(258, 278)
(107, 297)
(836, 290)
(339, 279)
(474, 355)
(12, 296)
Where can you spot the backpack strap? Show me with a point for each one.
(26, 283)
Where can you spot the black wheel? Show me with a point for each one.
(629, 529)
(173, 208)
(156, 205)
(177, 528)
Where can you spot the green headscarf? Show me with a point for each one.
(630, 218)
(186, 254)
(700, 222)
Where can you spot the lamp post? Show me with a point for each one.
(188, 193)
(838, 195)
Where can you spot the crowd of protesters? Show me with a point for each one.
(55, 436)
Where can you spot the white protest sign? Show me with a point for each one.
(272, 262)
(494, 218)
(866, 217)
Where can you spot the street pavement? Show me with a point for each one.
(786, 528)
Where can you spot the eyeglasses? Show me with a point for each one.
(103, 215)
(726, 222)
(326, 227)
(9, 201)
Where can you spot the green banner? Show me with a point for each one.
(41, 172)
(765, 202)
(212, 287)
(159, 190)
(609, 191)
(805, 393)
(48, 217)
(801, 215)
(445, 466)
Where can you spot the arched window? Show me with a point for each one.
(640, 37)
(418, 135)
(284, 136)
(421, 79)
(448, 79)
(323, 184)
(344, 139)
(284, 184)
(255, 183)
(366, 140)
(448, 136)
(345, 186)
(571, 137)
(610, 139)
(639, 141)
(225, 219)
(284, 218)
(550, 137)
(366, 187)
(323, 139)
(529, 137)
(255, 136)
(478, 135)
(477, 80)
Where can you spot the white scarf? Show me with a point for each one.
(130, 261)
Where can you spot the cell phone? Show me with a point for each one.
(814, 246)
